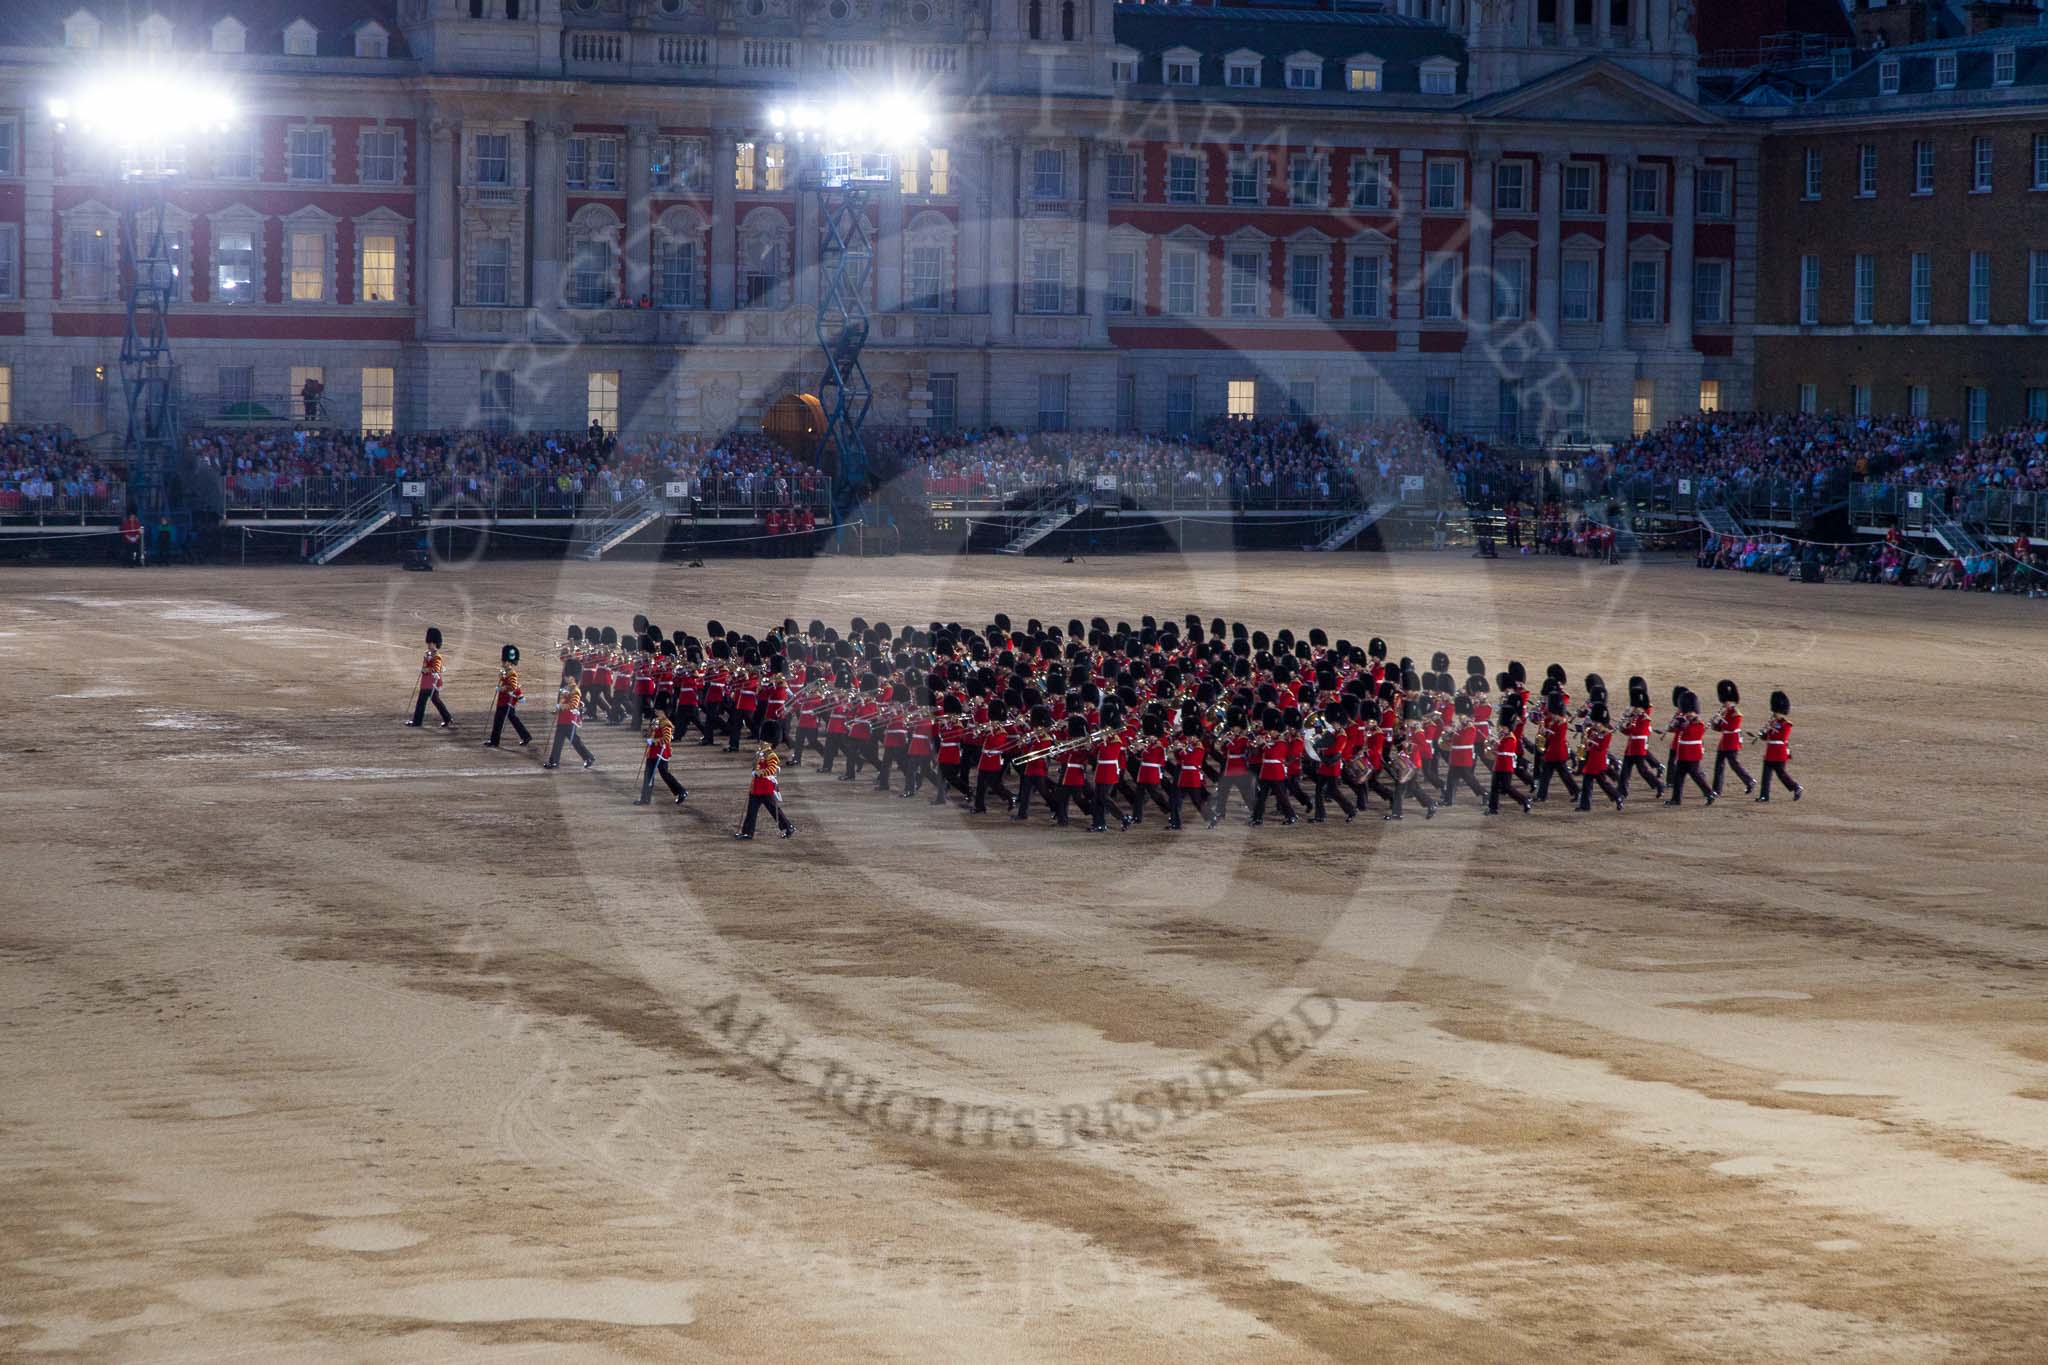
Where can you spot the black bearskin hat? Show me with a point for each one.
(1041, 715)
(1781, 705)
(1727, 691)
(713, 630)
(575, 635)
(639, 625)
(1638, 691)
(608, 636)
(1376, 647)
(572, 668)
(1237, 630)
(1517, 673)
(1475, 686)
(1474, 666)
(1687, 700)
(1598, 712)
(1556, 671)
(1463, 705)
(1439, 662)
(1678, 696)
(1595, 685)
(1556, 702)
(434, 636)
(510, 654)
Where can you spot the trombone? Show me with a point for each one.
(1046, 751)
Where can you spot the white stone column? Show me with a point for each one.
(1479, 248)
(970, 182)
(443, 165)
(1603, 31)
(723, 230)
(639, 212)
(1550, 245)
(1614, 258)
(1682, 203)
(1567, 23)
(548, 227)
(889, 248)
(1095, 244)
(38, 232)
(1003, 242)
(1409, 266)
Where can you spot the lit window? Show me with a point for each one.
(941, 162)
(234, 267)
(380, 408)
(1241, 399)
(309, 267)
(1710, 395)
(601, 400)
(380, 268)
(1363, 78)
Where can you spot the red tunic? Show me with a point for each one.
(1191, 756)
(1638, 732)
(1595, 759)
(1729, 723)
(1778, 741)
(1273, 760)
(1505, 750)
(1556, 739)
(1151, 763)
(1464, 744)
(1692, 741)
(1109, 761)
(992, 749)
(657, 747)
(750, 694)
(1234, 751)
(921, 732)
(949, 741)
(1074, 771)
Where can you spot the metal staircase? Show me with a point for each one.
(1051, 514)
(1355, 525)
(1954, 536)
(597, 535)
(1722, 522)
(368, 515)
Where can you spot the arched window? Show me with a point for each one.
(1034, 23)
(1067, 20)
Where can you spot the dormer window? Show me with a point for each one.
(1439, 78)
(1362, 75)
(373, 41)
(2005, 65)
(154, 34)
(1241, 70)
(1181, 66)
(229, 35)
(1888, 76)
(1304, 71)
(301, 39)
(82, 30)
(1945, 71)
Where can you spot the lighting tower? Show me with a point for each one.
(140, 119)
(847, 155)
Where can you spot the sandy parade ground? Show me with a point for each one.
(327, 1039)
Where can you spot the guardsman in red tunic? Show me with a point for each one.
(660, 734)
(1507, 744)
(1636, 726)
(774, 699)
(1109, 774)
(711, 702)
(860, 729)
(1272, 746)
(431, 667)
(509, 697)
(1689, 748)
(1728, 753)
(1405, 753)
(1463, 751)
(689, 686)
(643, 680)
(951, 734)
(923, 741)
(1236, 743)
(1597, 737)
(895, 723)
(1777, 738)
(1555, 760)
(1152, 761)
(1077, 765)
(1332, 747)
(568, 716)
(765, 791)
(1034, 769)
(837, 716)
(745, 691)
(995, 743)
(1187, 757)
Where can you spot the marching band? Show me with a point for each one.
(1105, 721)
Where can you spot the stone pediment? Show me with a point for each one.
(1595, 91)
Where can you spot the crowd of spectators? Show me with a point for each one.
(45, 470)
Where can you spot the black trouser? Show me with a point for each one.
(916, 768)
(645, 701)
(1639, 763)
(952, 775)
(1547, 768)
(1062, 799)
(1027, 786)
(889, 759)
(658, 766)
(1724, 759)
(1779, 770)
(1326, 789)
(1412, 787)
(419, 705)
(1269, 787)
(805, 738)
(1503, 785)
(1586, 782)
(988, 780)
(834, 746)
(1682, 769)
(710, 716)
(1469, 776)
(573, 735)
(1297, 791)
(1241, 783)
(1105, 805)
(498, 719)
(757, 804)
(1180, 794)
(858, 752)
(1152, 790)
(734, 720)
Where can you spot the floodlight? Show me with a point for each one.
(144, 106)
